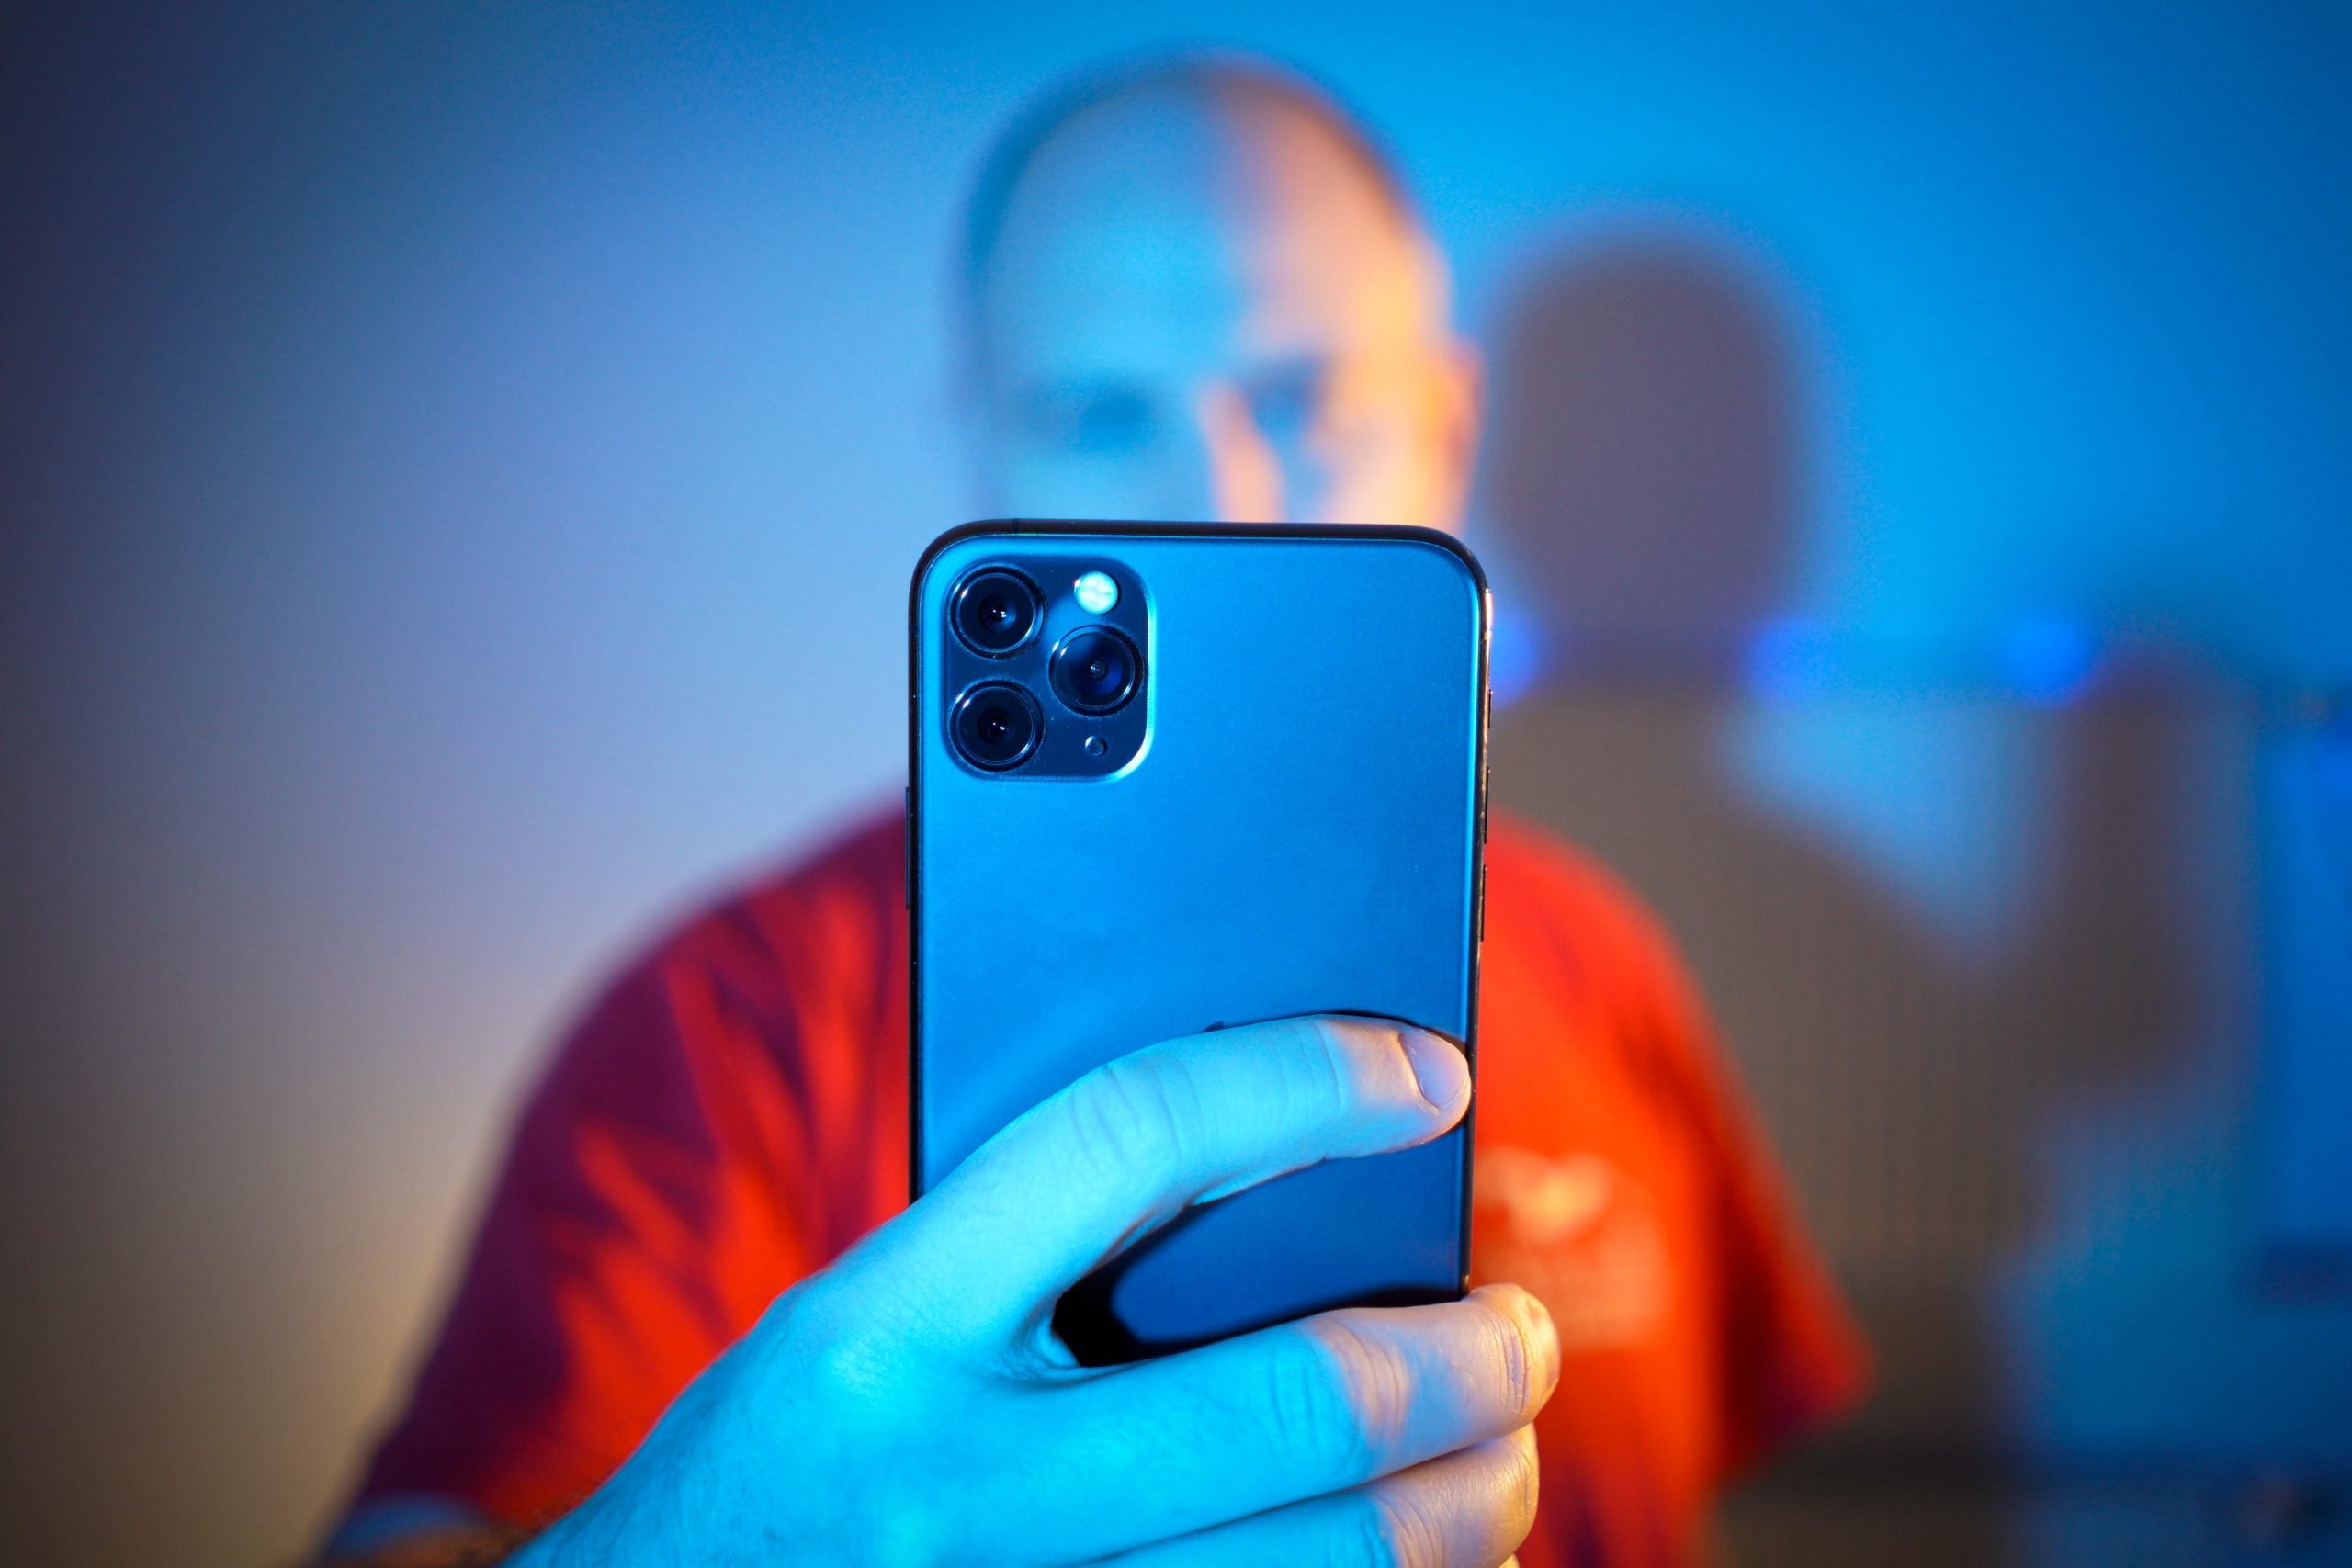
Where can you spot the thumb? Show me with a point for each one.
(1124, 1148)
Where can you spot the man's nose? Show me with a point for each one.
(1245, 472)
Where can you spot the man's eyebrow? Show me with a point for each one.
(1304, 365)
(1307, 362)
(1067, 387)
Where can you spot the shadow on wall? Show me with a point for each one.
(1645, 486)
(1644, 465)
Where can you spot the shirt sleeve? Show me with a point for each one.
(640, 1222)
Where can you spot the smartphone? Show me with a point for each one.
(1167, 778)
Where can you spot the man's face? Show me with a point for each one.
(1211, 312)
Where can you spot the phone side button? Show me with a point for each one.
(907, 849)
(1482, 900)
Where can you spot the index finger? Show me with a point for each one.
(1121, 1151)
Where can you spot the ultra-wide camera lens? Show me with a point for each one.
(996, 726)
(1096, 671)
(995, 610)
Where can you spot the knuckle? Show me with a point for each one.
(1312, 1072)
(1365, 1536)
(825, 1340)
(1514, 1357)
(1124, 1124)
(1338, 1398)
(1522, 1477)
(834, 1365)
(1407, 1535)
(794, 1320)
(1316, 1053)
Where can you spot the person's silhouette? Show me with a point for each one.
(1646, 481)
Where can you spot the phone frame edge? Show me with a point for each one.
(1031, 527)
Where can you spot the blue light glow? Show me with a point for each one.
(1787, 657)
(2047, 662)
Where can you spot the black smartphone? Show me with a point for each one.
(1166, 778)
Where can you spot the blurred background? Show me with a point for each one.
(459, 475)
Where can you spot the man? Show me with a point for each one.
(1192, 292)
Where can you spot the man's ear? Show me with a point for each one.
(1457, 413)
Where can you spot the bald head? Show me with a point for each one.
(1211, 118)
(1198, 290)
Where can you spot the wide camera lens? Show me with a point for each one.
(995, 610)
(996, 726)
(1096, 671)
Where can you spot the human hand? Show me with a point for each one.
(910, 1405)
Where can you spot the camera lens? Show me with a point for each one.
(1096, 671)
(996, 726)
(995, 610)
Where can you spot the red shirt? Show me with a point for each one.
(732, 1113)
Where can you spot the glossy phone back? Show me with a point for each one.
(1300, 831)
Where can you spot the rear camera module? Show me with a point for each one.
(996, 726)
(1096, 671)
(995, 611)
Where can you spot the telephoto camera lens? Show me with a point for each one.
(1096, 670)
(996, 726)
(995, 611)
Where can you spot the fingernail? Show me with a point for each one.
(1438, 1068)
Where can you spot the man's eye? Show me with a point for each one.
(1284, 407)
(1107, 421)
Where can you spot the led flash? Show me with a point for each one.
(1097, 592)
